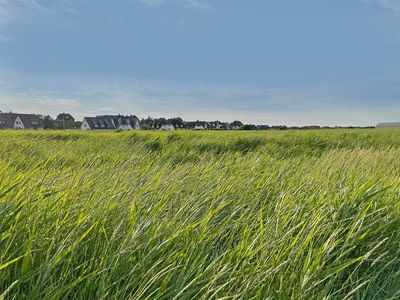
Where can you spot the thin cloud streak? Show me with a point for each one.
(16, 11)
(393, 5)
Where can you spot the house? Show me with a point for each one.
(162, 123)
(217, 125)
(111, 123)
(198, 125)
(388, 125)
(155, 124)
(167, 127)
(21, 121)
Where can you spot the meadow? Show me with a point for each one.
(200, 215)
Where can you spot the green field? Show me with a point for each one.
(200, 215)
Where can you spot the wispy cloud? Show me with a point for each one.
(393, 5)
(59, 103)
(196, 4)
(38, 103)
(12, 9)
(15, 11)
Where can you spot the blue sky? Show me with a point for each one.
(324, 62)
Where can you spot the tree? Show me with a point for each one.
(236, 124)
(177, 122)
(249, 127)
(66, 121)
(148, 123)
(48, 122)
(65, 117)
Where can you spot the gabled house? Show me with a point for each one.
(198, 125)
(21, 121)
(217, 125)
(167, 127)
(164, 125)
(111, 123)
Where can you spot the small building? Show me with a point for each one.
(21, 121)
(198, 125)
(217, 125)
(111, 122)
(388, 125)
(167, 127)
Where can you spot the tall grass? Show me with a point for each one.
(188, 215)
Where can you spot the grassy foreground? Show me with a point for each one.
(189, 215)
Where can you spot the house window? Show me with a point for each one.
(35, 123)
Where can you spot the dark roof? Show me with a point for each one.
(192, 125)
(100, 123)
(30, 121)
(7, 120)
(220, 125)
(111, 122)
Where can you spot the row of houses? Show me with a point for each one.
(199, 125)
(112, 122)
(120, 122)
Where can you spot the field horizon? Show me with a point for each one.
(200, 215)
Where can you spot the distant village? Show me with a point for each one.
(65, 121)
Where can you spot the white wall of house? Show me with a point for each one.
(167, 127)
(125, 127)
(85, 125)
(18, 124)
(198, 127)
(137, 125)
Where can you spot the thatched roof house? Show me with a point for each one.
(21, 121)
(111, 123)
(198, 125)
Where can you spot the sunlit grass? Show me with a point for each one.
(210, 215)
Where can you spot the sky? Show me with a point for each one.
(308, 62)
